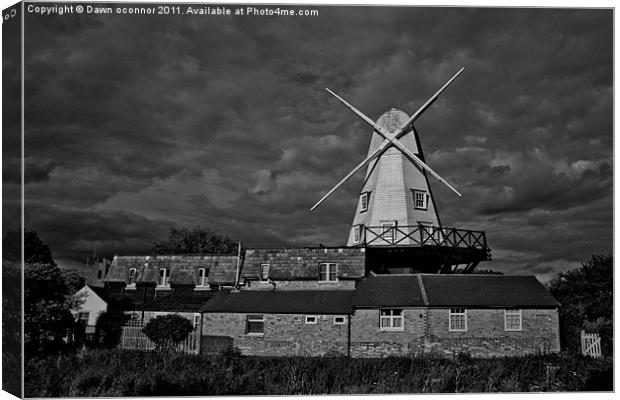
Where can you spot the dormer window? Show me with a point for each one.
(358, 231)
(364, 198)
(164, 277)
(131, 280)
(420, 199)
(328, 272)
(202, 275)
(264, 273)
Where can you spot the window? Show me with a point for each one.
(202, 276)
(83, 317)
(339, 320)
(196, 323)
(420, 199)
(387, 230)
(264, 273)
(328, 272)
(164, 277)
(364, 201)
(357, 233)
(311, 319)
(99, 273)
(391, 320)
(132, 277)
(512, 320)
(255, 325)
(458, 319)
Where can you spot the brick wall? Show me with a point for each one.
(367, 340)
(425, 331)
(486, 336)
(284, 334)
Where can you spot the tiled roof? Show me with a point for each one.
(303, 263)
(282, 302)
(180, 301)
(486, 291)
(388, 291)
(183, 268)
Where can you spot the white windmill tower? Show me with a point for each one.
(396, 206)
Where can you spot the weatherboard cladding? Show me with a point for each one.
(303, 263)
(183, 269)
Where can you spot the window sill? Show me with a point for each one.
(255, 334)
(391, 329)
(130, 287)
(202, 287)
(162, 287)
(328, 282)
(457, 330)
(513, 330)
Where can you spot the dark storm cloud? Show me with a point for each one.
(224, 122)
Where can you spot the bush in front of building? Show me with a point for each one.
(167, 331)
(134, 373)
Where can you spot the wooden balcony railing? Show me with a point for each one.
(423, 235)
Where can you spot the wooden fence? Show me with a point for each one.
(134, 339)
(591, 344)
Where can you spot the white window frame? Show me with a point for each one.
(83, 316)
(357, 233)
(254, 318)
(388, 318)
(454, 315)
(262, 273)
(364, 200)
(166, 278)
(311, 319)
(202, 278)
(424, 198)
(131, 278)
(330, 269)
(196, 323)
(513, 312)
(342, 318)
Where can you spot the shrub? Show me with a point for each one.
(167, 331)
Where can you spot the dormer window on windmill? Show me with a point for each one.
(364, 199)
(201, 277)
(420, 199)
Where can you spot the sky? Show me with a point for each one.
(137, 124)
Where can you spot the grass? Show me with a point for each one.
(89, 373)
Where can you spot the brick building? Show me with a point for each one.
(316, 301)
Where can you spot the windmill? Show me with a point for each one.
(396, 209)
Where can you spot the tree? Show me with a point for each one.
(195, 241)
(109, 327)
(35, 251)
(167, 331)
(585, 295)
(48, 302)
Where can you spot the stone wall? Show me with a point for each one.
(284, 334)
(425, 331)
(486, 336)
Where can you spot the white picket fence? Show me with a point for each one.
(591, 344)
(134, 339)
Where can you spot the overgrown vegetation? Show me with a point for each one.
(133, 373)
(586, 302)
(166, 331)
